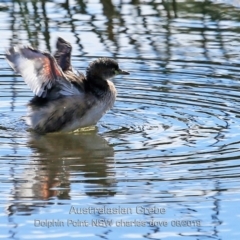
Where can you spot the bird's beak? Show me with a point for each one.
(122, 72)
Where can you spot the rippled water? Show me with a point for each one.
(164, 163)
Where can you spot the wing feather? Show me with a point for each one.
(39, 70)
(63, 54)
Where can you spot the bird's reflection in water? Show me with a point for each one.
(60, 160)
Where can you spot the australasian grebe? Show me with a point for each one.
(64, 99)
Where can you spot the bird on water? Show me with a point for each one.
(64, 100)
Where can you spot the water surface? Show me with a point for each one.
(164, 163)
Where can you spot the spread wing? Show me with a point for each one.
(39, 70)
(63, 54)
(63, 58)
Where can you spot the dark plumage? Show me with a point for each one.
(64, 99)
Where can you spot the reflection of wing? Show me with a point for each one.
(39, 70)
(63, 54)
